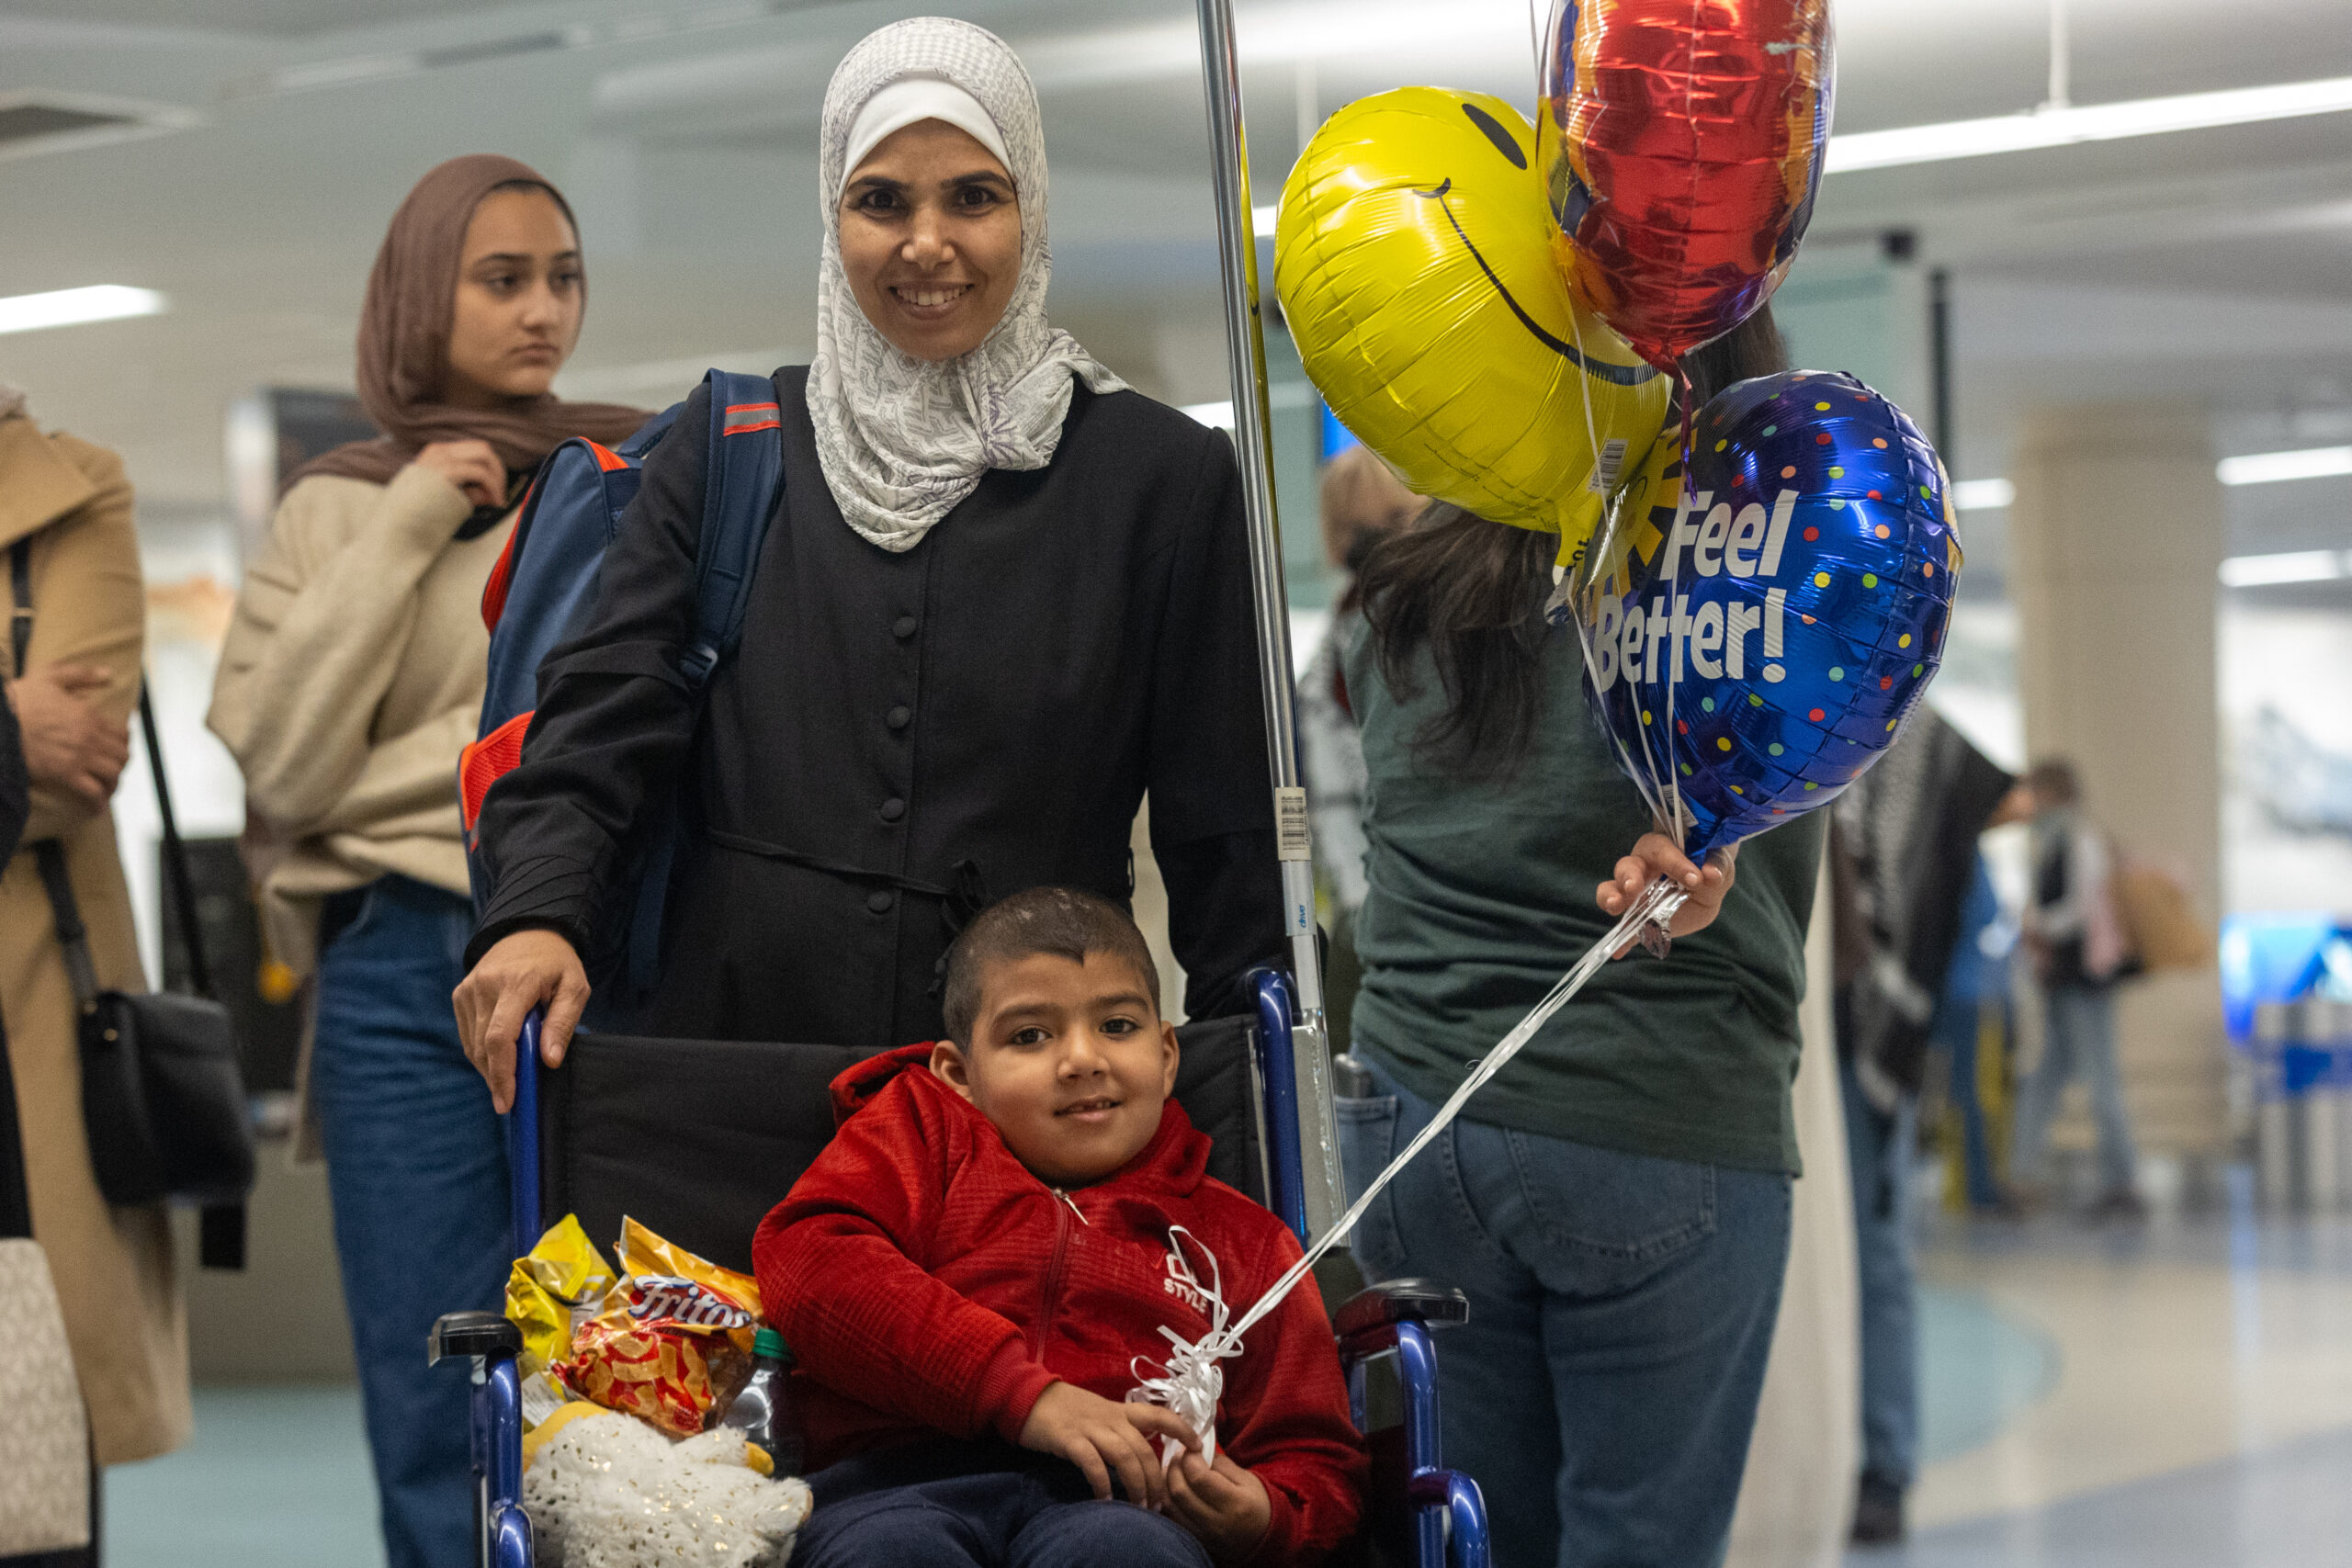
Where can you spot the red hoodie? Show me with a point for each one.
(930, 1285)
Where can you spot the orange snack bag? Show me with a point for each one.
(672, 1339)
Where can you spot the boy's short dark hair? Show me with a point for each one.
(1063, 921)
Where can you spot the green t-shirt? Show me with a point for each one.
(1482, 898)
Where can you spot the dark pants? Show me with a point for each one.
(416, 1170)
(1878, 1147)
(1621, 1311)
(1964, 1027)
(985, 1505)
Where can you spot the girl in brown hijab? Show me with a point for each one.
(351, 678)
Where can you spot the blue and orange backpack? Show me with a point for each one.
(544, 587)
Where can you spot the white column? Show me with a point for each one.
(2115, 543)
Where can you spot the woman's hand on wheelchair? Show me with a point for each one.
(1655, 855)
(1223, 1505)
(529, 969)
(1104, 1437)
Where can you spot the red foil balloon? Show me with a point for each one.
(1681, 146)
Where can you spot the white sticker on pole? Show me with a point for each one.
(1289, 825)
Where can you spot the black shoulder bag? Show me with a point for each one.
(163, 1092)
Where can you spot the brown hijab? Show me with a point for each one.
(404, 340)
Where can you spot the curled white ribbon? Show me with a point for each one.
(1190, 1382)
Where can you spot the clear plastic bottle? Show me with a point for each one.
(762, 1411)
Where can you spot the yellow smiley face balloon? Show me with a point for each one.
(1413, 258)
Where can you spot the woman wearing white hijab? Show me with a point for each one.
(1004, 595)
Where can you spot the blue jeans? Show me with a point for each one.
(2080, 1039)
(1963, 1025)
(1878, 1148)
(1621, 1312)
(978, 1504)
(416, 1169)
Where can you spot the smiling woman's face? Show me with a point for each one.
(931, 239)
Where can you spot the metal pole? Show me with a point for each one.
(1326, 1192)
(1939, 364)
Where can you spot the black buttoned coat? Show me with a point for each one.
(902, 736)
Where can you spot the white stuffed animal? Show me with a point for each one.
(607, 1491)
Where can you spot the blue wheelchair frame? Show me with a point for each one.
(1449, 1515)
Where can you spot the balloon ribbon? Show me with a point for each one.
(1194, 1380)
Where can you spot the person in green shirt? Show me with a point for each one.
(1616, 1203)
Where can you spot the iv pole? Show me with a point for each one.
(1326, 1192)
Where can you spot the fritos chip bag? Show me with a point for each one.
(552, 1288)
(672, 1339)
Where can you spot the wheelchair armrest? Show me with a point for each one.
(477, 1334)
(1367, 1322)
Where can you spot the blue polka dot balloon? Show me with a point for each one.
(1756, 640)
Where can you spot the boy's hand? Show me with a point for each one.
(1101, 1436)
(1655, 855)
(1223, 1505)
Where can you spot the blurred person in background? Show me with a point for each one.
(1974, 1026)
(2074, 940)
(352, 676)
(1361, 499)
(1902, 852)
(66, 531)
(1618, 1205)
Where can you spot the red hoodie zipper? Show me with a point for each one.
(1064, 1206)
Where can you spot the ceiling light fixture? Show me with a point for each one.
(71, 307)
(1981, 495)
(2272, 468)
(2063, 126)
(2286, 566)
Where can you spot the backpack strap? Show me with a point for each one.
(744, 471)
(743, 479)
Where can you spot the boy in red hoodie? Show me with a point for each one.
(977, 1270)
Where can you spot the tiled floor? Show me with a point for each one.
(274, 1478)
(2180, 1393)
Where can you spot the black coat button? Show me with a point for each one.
(878, 901)
(893, 808)
(903, 627)
(898, 718)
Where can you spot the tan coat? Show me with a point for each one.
(351, 679)
(114, 1266)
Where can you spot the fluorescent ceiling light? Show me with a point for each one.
(69, 307)
(2270, 468)
(2090, 122)
(1218, 415)
(1261, 218)
(1981, 495)
(2287, 566)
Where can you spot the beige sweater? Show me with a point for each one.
(351, 679)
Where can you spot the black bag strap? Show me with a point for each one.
(50, 854)
(183, 881)
(71, 933)
(221, 1227)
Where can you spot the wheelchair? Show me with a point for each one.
(699, 1139)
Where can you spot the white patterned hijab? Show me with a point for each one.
(902, 440)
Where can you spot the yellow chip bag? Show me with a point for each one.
(552, 1288)
(673, 1341)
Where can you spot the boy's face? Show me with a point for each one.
(1069, 1061)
